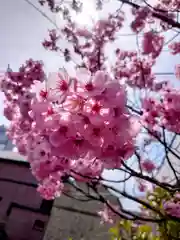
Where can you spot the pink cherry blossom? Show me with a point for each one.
(148, 166)
(175, 48)
(142, 187)
(73, 103)
(169, 5)
(80, 123)
(42, 151)
(21, 146)
(9, 111)
(177, 196)
(177, 71)
(107, 215)
(58, 86)
(134, 70)
(51, 43)
(58, 136)
(90, 85)
(68, 126)
(141, 15)
(135, 125)
(51, 187)
(83, 33)
(172, 207)
(152, 44)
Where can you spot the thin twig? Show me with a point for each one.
(165, 186)
(167, 156)
(136, 217)
(155, 14)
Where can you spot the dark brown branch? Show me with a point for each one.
(125, 194)
(139, 161)
(136, 217)
(78, 199)
(95, 179)
(155, 14)
(139, 112)
(159, 9)
(165, 186)
(83, 192)
(147, 205)
(167, 156)
(159, 139)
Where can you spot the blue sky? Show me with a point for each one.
(23, 29)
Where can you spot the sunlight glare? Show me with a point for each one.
(88, 15)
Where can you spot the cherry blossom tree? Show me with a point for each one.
(79, 123)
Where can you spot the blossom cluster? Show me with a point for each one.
(78, 127)
(164, 113)
(175, 48)
(108, 215)
(141, 15)
(177, 71)
(152, 44)
(148, 166)
(51, 4)
(144, 17)
(51, 43)
(172, 207)
(134, 70)
(87, 43)
(169, 4)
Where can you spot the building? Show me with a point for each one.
(5, 143)
(23, 213)
(71, 218)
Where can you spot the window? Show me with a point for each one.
(3, 235)
(46, 206)
(39, 225)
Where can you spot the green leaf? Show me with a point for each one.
(115, 238)
(144, 229)
(127, 226)
(114, 231)
(156, 238)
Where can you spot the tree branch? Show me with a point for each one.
(165, 186)
(154, 14)
(136, 217)
(167, 156)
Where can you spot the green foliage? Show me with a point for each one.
(126, 230)
(121, 230)
(157, 197)
(115, 233)
(167, 230)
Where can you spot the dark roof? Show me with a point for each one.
(9, 157)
